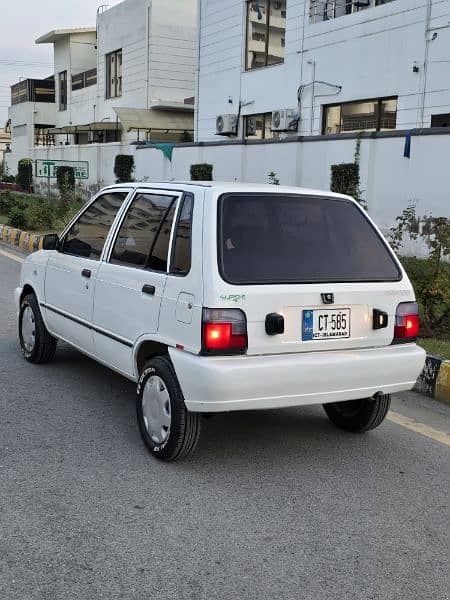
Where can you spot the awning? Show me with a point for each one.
(159, 120)
(71, 129)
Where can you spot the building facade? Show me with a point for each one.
(276, 68)
(131, 78)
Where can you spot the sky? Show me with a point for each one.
(22, 22)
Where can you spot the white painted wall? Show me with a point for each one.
(389, 181)
(369, 53)
(24, 117)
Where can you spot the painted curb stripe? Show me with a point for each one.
(429, 432)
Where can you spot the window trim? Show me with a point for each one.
(248, 68)
(379, 101)
(83, 210)
(220, 265)
(176, 194)
(175, 229)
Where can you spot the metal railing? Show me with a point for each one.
(325, 10)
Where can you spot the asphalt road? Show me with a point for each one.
(273, 504)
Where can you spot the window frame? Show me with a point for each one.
(83, 210)
(247, 68)
(108, 71)
(176, 194)
(219, 245)
(265, 115)
(62, 107)
(379, 102)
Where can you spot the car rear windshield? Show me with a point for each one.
(280, 238)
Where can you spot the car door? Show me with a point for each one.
(131, 280)
(72, 270)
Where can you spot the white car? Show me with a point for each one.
(227, 297)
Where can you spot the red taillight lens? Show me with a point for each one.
(224, 331)
(406, 322)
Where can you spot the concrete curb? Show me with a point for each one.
(433, 382)
(30, 242)
(435, 379)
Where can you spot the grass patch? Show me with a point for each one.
(436, 347)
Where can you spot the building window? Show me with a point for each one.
(440, 120)
(325, 10)
(62, 79)
(258, 127)
(266, 33)
(114, 74)
(365, 115)
(84, 80)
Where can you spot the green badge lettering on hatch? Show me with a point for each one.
(233, 298)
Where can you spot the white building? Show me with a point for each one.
(131, 78)
(344, 65)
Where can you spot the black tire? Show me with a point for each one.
(184, 430)
(44, 347)
(359, 416)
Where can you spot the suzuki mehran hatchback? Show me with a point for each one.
(227, 297)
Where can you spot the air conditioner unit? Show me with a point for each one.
(226, 125)
(285, 119)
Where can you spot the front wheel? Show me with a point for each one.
(168, 429)
(359, 416)
(36, 343)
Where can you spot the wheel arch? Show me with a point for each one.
(26, 290)
(146, 350)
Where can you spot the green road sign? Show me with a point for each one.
(48, 168)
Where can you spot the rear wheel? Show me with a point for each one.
(359, 416)
(168, 429)
(36, 343)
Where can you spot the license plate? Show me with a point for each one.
(325, 324)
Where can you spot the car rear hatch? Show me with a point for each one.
(310, 273)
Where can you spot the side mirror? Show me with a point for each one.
(50, 242)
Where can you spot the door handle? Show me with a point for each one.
(86, 273)
(149, 289)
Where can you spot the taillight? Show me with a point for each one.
(224, 331)
(406, 323)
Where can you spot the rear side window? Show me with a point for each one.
(144, 237)
(270, 238)
(181, 258)
(87, 235)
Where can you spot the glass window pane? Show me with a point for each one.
(160, 253)
(332, 120)
(359, 116)
(277, 32)
(257, 14)
(275, 238)
(138, 232)
(181, 262)
(87, 235)
(388, 117)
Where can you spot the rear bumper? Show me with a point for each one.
(261, 382)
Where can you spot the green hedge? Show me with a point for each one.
(345, 179)
(123, 168)
(201, 172)
(25, 174)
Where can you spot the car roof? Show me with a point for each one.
(222, 187)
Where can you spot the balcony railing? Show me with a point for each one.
(325, 10)
(33, 90)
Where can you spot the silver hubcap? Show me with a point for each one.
(28, 329)
(156, 409)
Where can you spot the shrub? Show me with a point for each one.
(17, 217)
(25, 174)
(345, 179)
(6, 202)
(123, 168)
(41, 215)
(8, 179)
(202, 172)
(65, 178)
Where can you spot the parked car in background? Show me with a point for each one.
(226, 297)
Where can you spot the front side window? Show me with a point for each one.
(114, 74)
(181, 257)
(63, 90)
(144, 237)
(88, 234)
(266, 33)
(280, 238)
(365, 115)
